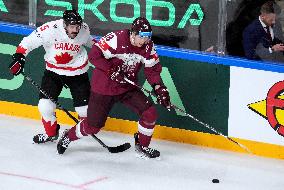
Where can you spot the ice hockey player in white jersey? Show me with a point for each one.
(66, 62)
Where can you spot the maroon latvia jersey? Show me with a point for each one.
(116, 49)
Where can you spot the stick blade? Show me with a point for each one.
(120, 148)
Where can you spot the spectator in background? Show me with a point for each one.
(244, 14)
(261, 38)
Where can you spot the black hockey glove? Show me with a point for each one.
(116, 73)
(163, 96)
(17, 65)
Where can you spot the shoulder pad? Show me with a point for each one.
(85, 26)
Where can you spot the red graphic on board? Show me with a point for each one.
(273, 103)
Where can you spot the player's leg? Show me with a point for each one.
(80, 90)
(52, 85)
(140, 104)
(98, 110)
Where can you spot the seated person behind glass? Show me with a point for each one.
(261, 38)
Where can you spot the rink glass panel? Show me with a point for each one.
(14, 11)
(240, 13)
(201, 89)
(190, 24)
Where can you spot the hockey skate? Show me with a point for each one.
(145, 152)
(43, 138)
(63, 142)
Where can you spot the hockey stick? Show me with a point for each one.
(192, 117)
(115, 149)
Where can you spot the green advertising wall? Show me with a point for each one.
(201, 89)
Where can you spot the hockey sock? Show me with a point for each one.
(145, 132)
(81, 129)
(77, 131)
(146, 126)
(50, 129)
(144, 140)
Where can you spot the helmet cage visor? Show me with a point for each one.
(145, 34)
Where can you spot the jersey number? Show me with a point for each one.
(44, 27)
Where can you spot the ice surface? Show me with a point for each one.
(86, 165)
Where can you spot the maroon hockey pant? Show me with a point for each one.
(100, 105)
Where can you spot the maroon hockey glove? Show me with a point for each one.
(116, 73)
(17, 65)
(163, 96)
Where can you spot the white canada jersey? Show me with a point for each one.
(63, 55)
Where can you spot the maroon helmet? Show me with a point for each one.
(142, 27)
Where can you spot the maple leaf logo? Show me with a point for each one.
(21, 49)
(63, 58)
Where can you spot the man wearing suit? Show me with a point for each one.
(262, 38)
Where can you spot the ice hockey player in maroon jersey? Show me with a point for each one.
(66, 62)
(115, 56)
